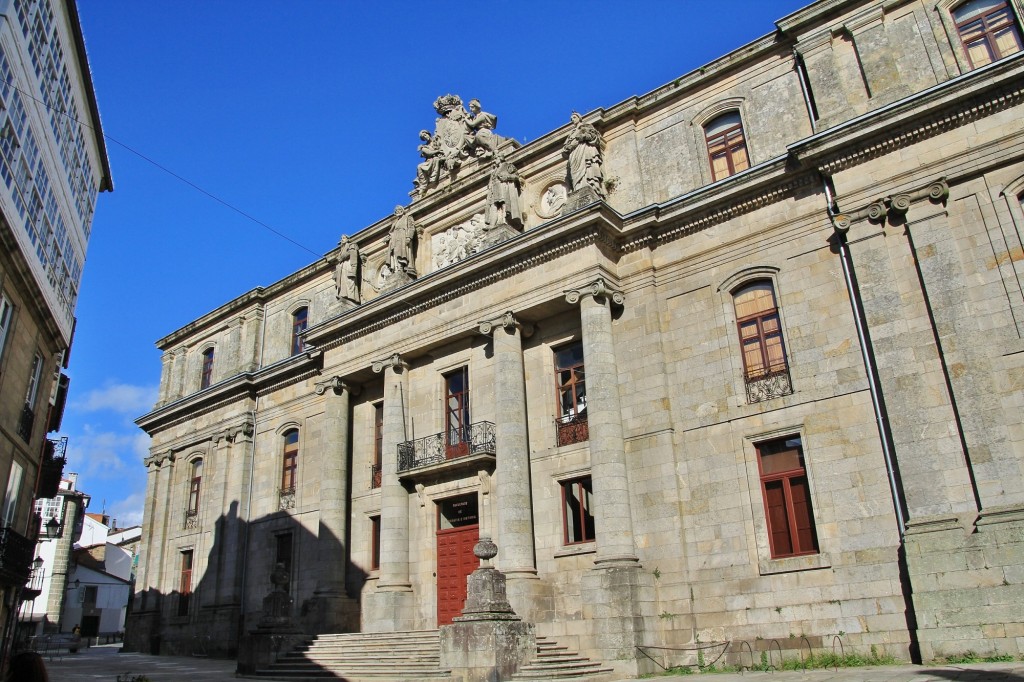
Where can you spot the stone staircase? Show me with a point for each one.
(556, 662)
(356, 657)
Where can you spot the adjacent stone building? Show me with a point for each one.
(737, 360)
(53, 162)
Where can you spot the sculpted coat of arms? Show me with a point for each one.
(459, 135)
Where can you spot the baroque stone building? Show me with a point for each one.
(736, 360)
(53, 162)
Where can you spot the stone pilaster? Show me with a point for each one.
(335, 611)
(166, 367)
(216, 469)
(390, 607)
(515, 502)
(612, 591)
(165, 477)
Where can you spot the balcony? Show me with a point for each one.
(52, 469)
(25, 423)
(191, 519)
(286, 498)
(767, 385)
(376, 475)
(572, 428)
(15, 557)
(447, 453)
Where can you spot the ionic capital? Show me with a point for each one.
(895, 205)
(336, 385)
(506, 321)
(394, 361)
(159, 458)
(598, 289)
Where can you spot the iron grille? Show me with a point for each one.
(25, 422)
(191, 519)
(441, 447)
(773, 384)
(15, 556)
(572, 429)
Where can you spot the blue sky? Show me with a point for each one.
(305, 115)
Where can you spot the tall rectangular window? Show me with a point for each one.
(456, 414)
(290, 461)
(757, 316)
(6, 317)
(35, 376)
(787, 497)
(987, 31)
(194, 487)
(207, 375)
(300, 320)
(374, 543)
(571, 391)
(577, 510)
(283, 555)
(378, 445)
(185, 583)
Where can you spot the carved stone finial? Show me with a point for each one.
(485, 550)
(598, 289)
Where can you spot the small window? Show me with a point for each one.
(185, 583)
(571, 390)
(194, 487)
(300, 320)
(376, 472)
(6, 316)
(207, 375)
(374, 543)
(577, 511)
(290, 462)
(787, 497)
(760, 331)
(987, 30)
(727, 147)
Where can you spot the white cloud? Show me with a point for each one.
(120, 398)
(107, 454)
(127, 511)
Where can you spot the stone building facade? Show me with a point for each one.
(53, 163)
(736, 360)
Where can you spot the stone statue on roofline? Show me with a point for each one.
(504, 214)
(584, 152)
(348, 271)
(401, 241)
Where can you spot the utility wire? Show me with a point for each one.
(167, 170)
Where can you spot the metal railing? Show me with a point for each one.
(571, 429)
(25, 422)
(376, 475)
(771, 384)
(191, 518)
(287, 498)
(441, 447)
(15, 556)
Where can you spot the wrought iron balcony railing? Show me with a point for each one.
(52, 468)
(768, 385)
(474, 439)
(376, 475)
(25, 422)
(191, 518)
(287, 498)
(15, 556)
(571, 429)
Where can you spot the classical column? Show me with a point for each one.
(613, 591)
(613, 519)
(515, 504)
(390, 607)
(335, 609)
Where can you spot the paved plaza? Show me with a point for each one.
(107, 662)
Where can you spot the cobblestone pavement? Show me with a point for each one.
(105, 663)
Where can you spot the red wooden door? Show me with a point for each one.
(455, 561)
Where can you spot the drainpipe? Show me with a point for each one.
(874, 386)
(805, 88)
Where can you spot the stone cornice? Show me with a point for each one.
(944, 107)
(245, 385)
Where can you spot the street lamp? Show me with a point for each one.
(52, 528)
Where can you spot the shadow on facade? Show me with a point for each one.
(260, 576)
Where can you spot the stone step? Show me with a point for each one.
(556, 662)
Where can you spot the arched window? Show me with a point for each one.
(207, 376)
(290, 461)
(987, 30)
(761, 342)
(300, 320)
(194, 487)
(727, 147)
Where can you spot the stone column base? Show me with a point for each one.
(389, 611)
(529, 596)
(967, 585)
(612, 603)
(330, 612)
(486, 649)
(262, 646)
